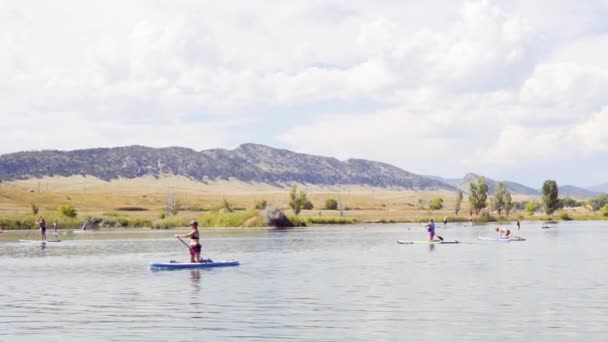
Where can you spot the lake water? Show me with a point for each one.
(348, 283)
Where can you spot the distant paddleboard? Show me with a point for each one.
(515, 238)
(422, 242)
(39, 241)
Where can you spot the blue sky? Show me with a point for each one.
(514, 90)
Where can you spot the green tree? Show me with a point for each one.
(478, 194)
(508, 203)
(67, 210)
(499, 199)
(331, 204)
(458, 202)
(531, 207)
(436, 204)
(598, 202)
(298, 199)
(550, 197)
(35, 209)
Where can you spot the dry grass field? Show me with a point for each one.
(92, 196)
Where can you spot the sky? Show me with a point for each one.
(513, 90)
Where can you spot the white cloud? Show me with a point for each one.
(463, 85)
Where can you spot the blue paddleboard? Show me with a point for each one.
(189, 265)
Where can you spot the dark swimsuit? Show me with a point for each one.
(196, 249)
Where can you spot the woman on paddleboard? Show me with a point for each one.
(195, 246)
(430, 227)
(504, 233)
(42, 225)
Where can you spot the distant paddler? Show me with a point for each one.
(503, 233)
(430, 228)
(42, 226)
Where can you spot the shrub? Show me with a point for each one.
(598, 202)
(298, 200)
(233, 219)
(308, 205)
(331, 220)
(274, 217)
(565, 216)
(436, 204)
(67, 210)
(227, 205)
(171, 222)
(35, 209)
(331, 204)
(605, 210)
(485, 217)
(532, 207)
(261, 204)
(131, 209)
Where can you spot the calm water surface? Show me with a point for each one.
(351, 283)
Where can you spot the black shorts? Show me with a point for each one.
(196, 249)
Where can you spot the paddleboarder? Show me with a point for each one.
(42, 225)
(430, 227)
(55, 226)
(195, 246)
(504, 233)
(518, 225)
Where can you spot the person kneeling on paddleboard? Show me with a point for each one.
(430, 227)
(504, 233)
(195, 246)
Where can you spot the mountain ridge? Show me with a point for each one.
(248, 163)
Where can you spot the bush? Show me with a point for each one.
(605, 210)
(331, 204)
(436, 204)
(261, 204)
(331, 220)
(171, 222)
(274, 217)
(131, 209)
(233, 219)
(67, 210)
(308, 205)
(485, 217)
(35, 209)
(599, 202)
(532, 207)
(227, 206)
(565, 216)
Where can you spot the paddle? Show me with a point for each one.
(185, 244)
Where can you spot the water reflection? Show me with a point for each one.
(195, 277)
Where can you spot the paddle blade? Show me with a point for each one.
(439, 237)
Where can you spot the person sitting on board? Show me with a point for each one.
(430, 227)
(504, 233)
(42, 225)
(195, 246)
